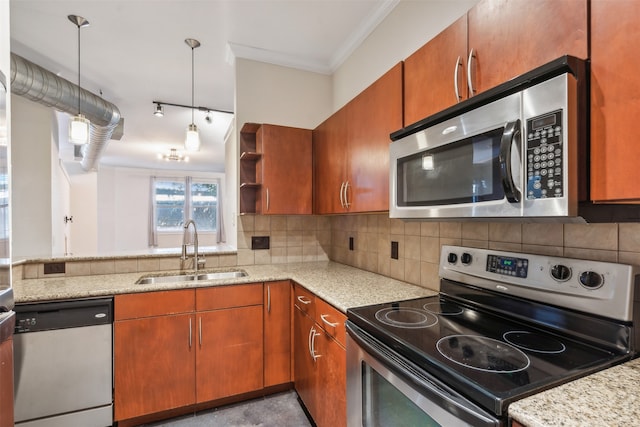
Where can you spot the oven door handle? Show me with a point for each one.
(432, 390)
(510, 135)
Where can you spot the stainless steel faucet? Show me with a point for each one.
(196, 258)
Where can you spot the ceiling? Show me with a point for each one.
(134, 53)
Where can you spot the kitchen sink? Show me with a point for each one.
(216, 275)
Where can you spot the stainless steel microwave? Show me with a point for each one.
(516, 151)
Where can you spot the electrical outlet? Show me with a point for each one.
(54, 268)
(394, 250)
(259, 242)
(350, 243)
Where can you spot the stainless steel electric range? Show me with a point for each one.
(505, 326)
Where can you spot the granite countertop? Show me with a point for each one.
(340, 285)
(606, 398)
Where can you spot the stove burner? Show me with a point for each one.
(406, 317)
(533, 341)
(483, 354)
(444, 308)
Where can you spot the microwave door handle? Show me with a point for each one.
(511, 134)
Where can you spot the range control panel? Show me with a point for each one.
(507, 265)
(544, 156)
(584, 285)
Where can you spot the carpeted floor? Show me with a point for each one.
(278, 410)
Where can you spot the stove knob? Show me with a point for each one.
(560, 272)
(452, 258)
(466, 258)
(591, 280)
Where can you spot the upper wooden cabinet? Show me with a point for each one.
(351, 149)
(495, 41)
(435, 75)
(615, 91)
(275, 170)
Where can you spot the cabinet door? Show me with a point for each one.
(305, 375)
(510, 37)
(332, 382)
(287, 171)
(429, 74)
(615, 91)
(154, 366)
(277, 333)
(6, 383)
(374, 114)
(330, 163)
(230, 352)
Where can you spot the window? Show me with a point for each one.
(178, 200)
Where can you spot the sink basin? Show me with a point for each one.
(150, 280)
(221, 275)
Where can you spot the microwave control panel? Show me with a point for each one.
(544, 156)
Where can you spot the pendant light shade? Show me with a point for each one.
(79, 130)
(79, 124)
(192, 139)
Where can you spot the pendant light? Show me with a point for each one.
(79, 124)
(192, 140)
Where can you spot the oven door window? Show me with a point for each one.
(384, 405)
(466, 171)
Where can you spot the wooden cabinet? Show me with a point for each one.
(351, 149)
(510, 37)
(229, 357)
(320, 359)
(435, 75)
(276, 171)
(177, 348)
(154, 352)
(494, 42)
(277, 333)
(6, 383)
(615, 90)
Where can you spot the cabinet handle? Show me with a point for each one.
(346, 195)
(200, 330)
(304, 300)
(190, 332)
(469, 77)
(309, 342)
(455, 79)
(341, 197)
(313, 344)
(267, 200)
(268, 299)
(324, 316)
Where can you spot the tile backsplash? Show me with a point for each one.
(419, 243)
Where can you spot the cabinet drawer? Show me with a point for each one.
(148, 304)
(304, 300)
(220, 297)
(332, 321)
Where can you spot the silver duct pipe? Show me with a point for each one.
(42, 86)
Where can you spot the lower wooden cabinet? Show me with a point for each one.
(277, 333)
(6, 383)
(320, 365)
(166, 359)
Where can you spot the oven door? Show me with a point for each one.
(467, 166)
(384, 389)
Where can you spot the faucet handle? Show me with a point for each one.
(201, 261)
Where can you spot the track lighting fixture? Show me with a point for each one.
(158, 111)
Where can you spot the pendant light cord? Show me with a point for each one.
(192, 84)
(78, 69)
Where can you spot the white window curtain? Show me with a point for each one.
(221, 237)
(152, 233)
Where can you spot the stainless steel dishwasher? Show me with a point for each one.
(63, 364)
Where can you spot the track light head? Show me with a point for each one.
(158, 111)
